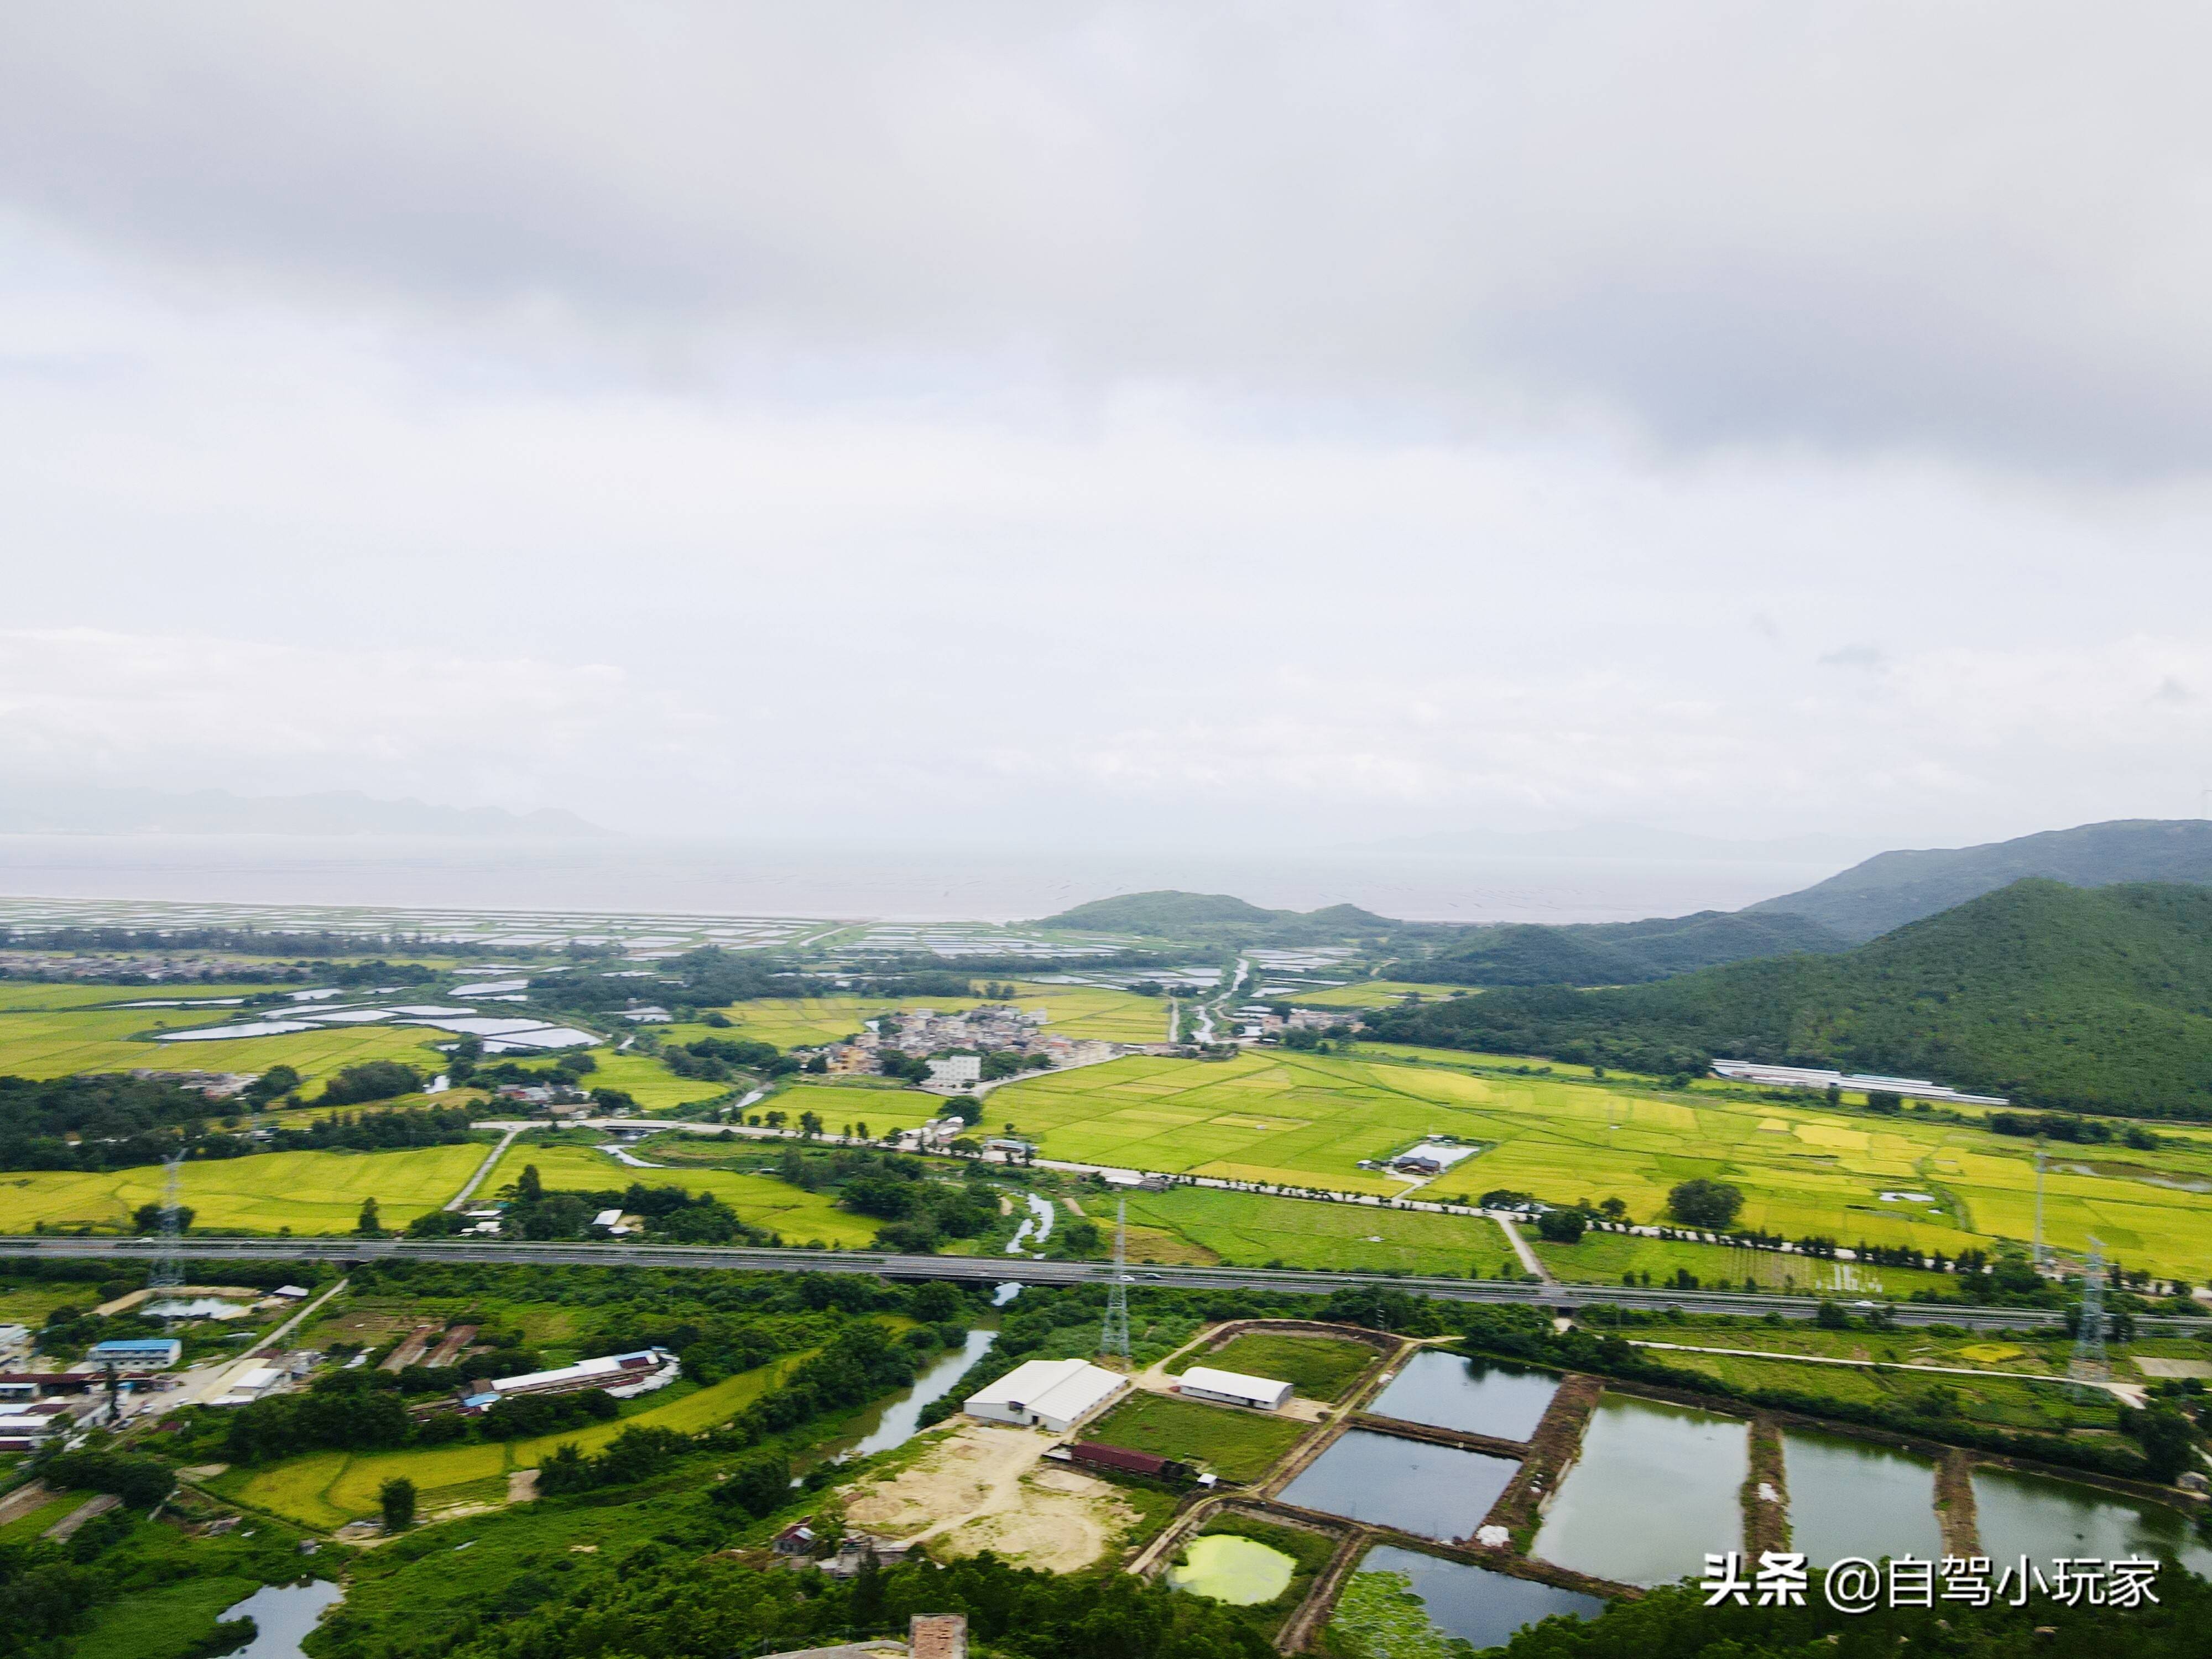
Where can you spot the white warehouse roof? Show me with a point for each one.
(1235, 1385)
(1055, 1392)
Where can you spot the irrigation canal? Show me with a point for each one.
(993, 1268)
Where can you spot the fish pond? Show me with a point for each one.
(1437, 1492)
(2041, 1516)
(1242, 1572)
(1657, 1488)
(1395, 1589)
(1476, 1396)
(1849, 1497)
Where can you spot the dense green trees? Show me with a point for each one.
(2093, 1000)
(374, 1079)
(1704, 1202)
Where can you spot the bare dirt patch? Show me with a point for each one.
(982, 1488)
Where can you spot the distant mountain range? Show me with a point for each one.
(2053, 995)
(28, 809)
(1892, 888)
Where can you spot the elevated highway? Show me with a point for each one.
(1564, 1298)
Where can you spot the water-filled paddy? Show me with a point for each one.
(1849, 1497)
(1438, 1491)
(1240, 1570)
(1477, 1396)
(1474, 1604)
(2040, 1517)
(1656, 1490)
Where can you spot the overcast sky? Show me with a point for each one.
(1272, 425)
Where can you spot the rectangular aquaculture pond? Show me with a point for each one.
(1397, 1592)
(1657, 1489)
(1478, 1396)
(1850, 1498)
(1438, 1491)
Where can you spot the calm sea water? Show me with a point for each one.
(727, 879)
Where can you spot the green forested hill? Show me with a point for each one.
(2096, 999)
(1615, 952)
(1171, 914)
(1892, 888)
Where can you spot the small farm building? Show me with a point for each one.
(1234, 1389)
(149, 1353)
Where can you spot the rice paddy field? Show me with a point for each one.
(881, 1104)
(801, 1217)
(268, 1193)
(1253, 1230)
(1368, 993)
(1308, 1119)
(647, 1081)
(328, 1489)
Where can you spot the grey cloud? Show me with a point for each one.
(1858, 228)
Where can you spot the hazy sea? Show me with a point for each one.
(732, 878)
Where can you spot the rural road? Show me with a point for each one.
(484, 1168)
(990, 1269)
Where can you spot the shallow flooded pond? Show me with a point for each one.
(1242, 1572)
(2041, 1516)
(1657, 1489)
(1480, 1397)
(1469, 1602)
(1438, 1491)
(1848, 1497)
(284, 1614)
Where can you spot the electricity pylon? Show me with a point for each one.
(2089, 1365)
(169, 1261)
(1113, 1336)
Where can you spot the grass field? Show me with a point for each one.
(1235, 1445)
(801, 1217)
(2004, 1402)
(1253, 1229)
(1307, 1120)
(306, 1192)
(1603, 1258)
(1318, 1367)
(328, 1489)
(167, 1623)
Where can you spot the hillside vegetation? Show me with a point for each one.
(1892, 888)
(2097, 999)
(1617, 952)
(1171, 914)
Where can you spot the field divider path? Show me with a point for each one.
(1955, 1504)
(1530, 1261)
(1552, 1452)
(1304, 1624)
(1766, 1489)
(483, 1169)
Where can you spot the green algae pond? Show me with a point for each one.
(1241, 1571)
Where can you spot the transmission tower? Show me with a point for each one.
(2040, 1256)
(1113, 1336)
(169, 1261)
(2088, 1365)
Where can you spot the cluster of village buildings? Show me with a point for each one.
(991, 1028)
